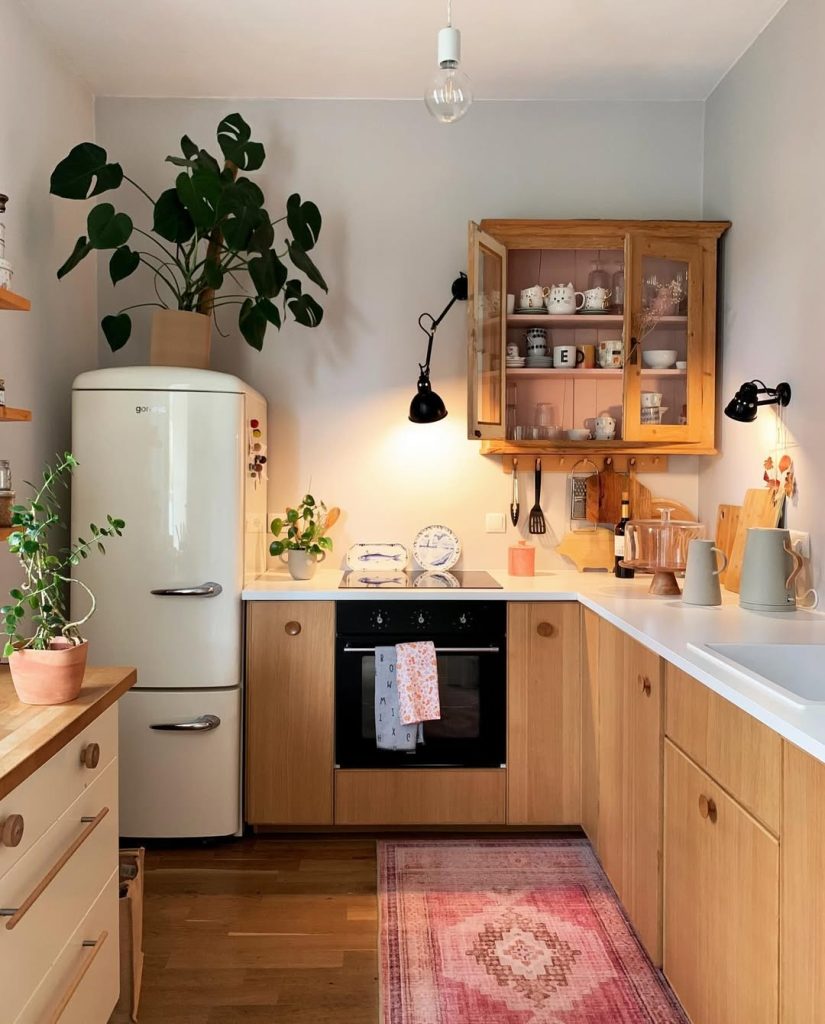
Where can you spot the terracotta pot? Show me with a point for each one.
(180, 338)
(49, 677)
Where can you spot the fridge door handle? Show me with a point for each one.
(203, 723)
(204, 590)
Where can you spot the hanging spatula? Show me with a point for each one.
(514, 505)
(537, 523)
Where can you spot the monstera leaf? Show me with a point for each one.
(124, 262)
(117, 330)
(108, 229)
(87, 163)
(304, 220)
(82, 248)
(172, 220)
(234, 139)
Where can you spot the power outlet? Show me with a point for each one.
(494, 522)
(801, 542)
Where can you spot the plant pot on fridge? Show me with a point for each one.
(47, 667)
(305, 543)
(211, 244)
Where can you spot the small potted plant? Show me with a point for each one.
(306, 542)
(47, 667)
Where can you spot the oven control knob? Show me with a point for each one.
(421, 618)
(379, 619)
(464, 620)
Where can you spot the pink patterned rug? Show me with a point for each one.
(518, 931)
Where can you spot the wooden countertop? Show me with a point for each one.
(31, 734)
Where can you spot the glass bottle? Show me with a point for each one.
(619, 570)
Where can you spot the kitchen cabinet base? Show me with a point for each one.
(409, 796)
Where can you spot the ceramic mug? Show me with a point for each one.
(604, 427)
(609, 354)
(533, 298)
(704, 563)
(536, 341)
(566, 357)
(589, 356)
(596, 298)
(562, 299)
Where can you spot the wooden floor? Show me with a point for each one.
(261, 930)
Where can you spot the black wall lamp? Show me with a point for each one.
(427, 406)
(743, 405)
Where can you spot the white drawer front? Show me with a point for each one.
(30, 947)
(46, 794)
(91, 999)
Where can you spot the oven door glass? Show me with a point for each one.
(471, 731)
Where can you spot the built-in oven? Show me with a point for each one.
(470, 641)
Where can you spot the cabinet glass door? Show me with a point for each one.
(664, 371)
(487, 334)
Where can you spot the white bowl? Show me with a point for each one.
(651, 399)
(681, 364)
(578, 435)
(659, 358)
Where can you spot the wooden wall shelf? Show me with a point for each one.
(9, 413)
(554, 462)
(11, 300)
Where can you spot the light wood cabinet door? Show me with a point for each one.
(802, 968)
(543, 714)
(289, 712)
(630, 778)
(721, 920)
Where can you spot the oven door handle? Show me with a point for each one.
(438, 650)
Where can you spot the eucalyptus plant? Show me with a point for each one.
(212, 242)
(305, 528)
(48, 574)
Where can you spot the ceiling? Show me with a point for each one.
(531, 49)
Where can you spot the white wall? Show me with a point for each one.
(46, 110)
(396, 191)
(765, 171)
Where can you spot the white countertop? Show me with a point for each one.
(663, 624)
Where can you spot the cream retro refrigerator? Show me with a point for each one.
(178, 454)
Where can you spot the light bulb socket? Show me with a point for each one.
(449, 47)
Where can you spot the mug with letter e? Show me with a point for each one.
(566, 357)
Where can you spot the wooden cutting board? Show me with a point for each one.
(641, 500)
(758, 509)
(589, 549)
(727, 521)
(611, 487)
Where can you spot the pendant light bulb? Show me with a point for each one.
(449, 95)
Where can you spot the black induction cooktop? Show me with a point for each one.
(421, 579)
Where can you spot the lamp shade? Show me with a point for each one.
(426, 406)
(742, 407)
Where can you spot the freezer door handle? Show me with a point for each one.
(203, 723)
(204, 590)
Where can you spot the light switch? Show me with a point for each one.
(494, 522)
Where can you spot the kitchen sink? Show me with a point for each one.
(796, 672)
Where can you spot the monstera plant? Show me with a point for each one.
(212, 242)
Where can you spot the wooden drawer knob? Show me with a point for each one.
(644, 685)
(545, 629)
(707, 807)
(11, 830)
(292, 628)
(90, 755)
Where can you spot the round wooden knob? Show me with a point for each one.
(293, 628)
(644, 685)
(707, 807)
(11, 830)
(545, 629)
(90, 755)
